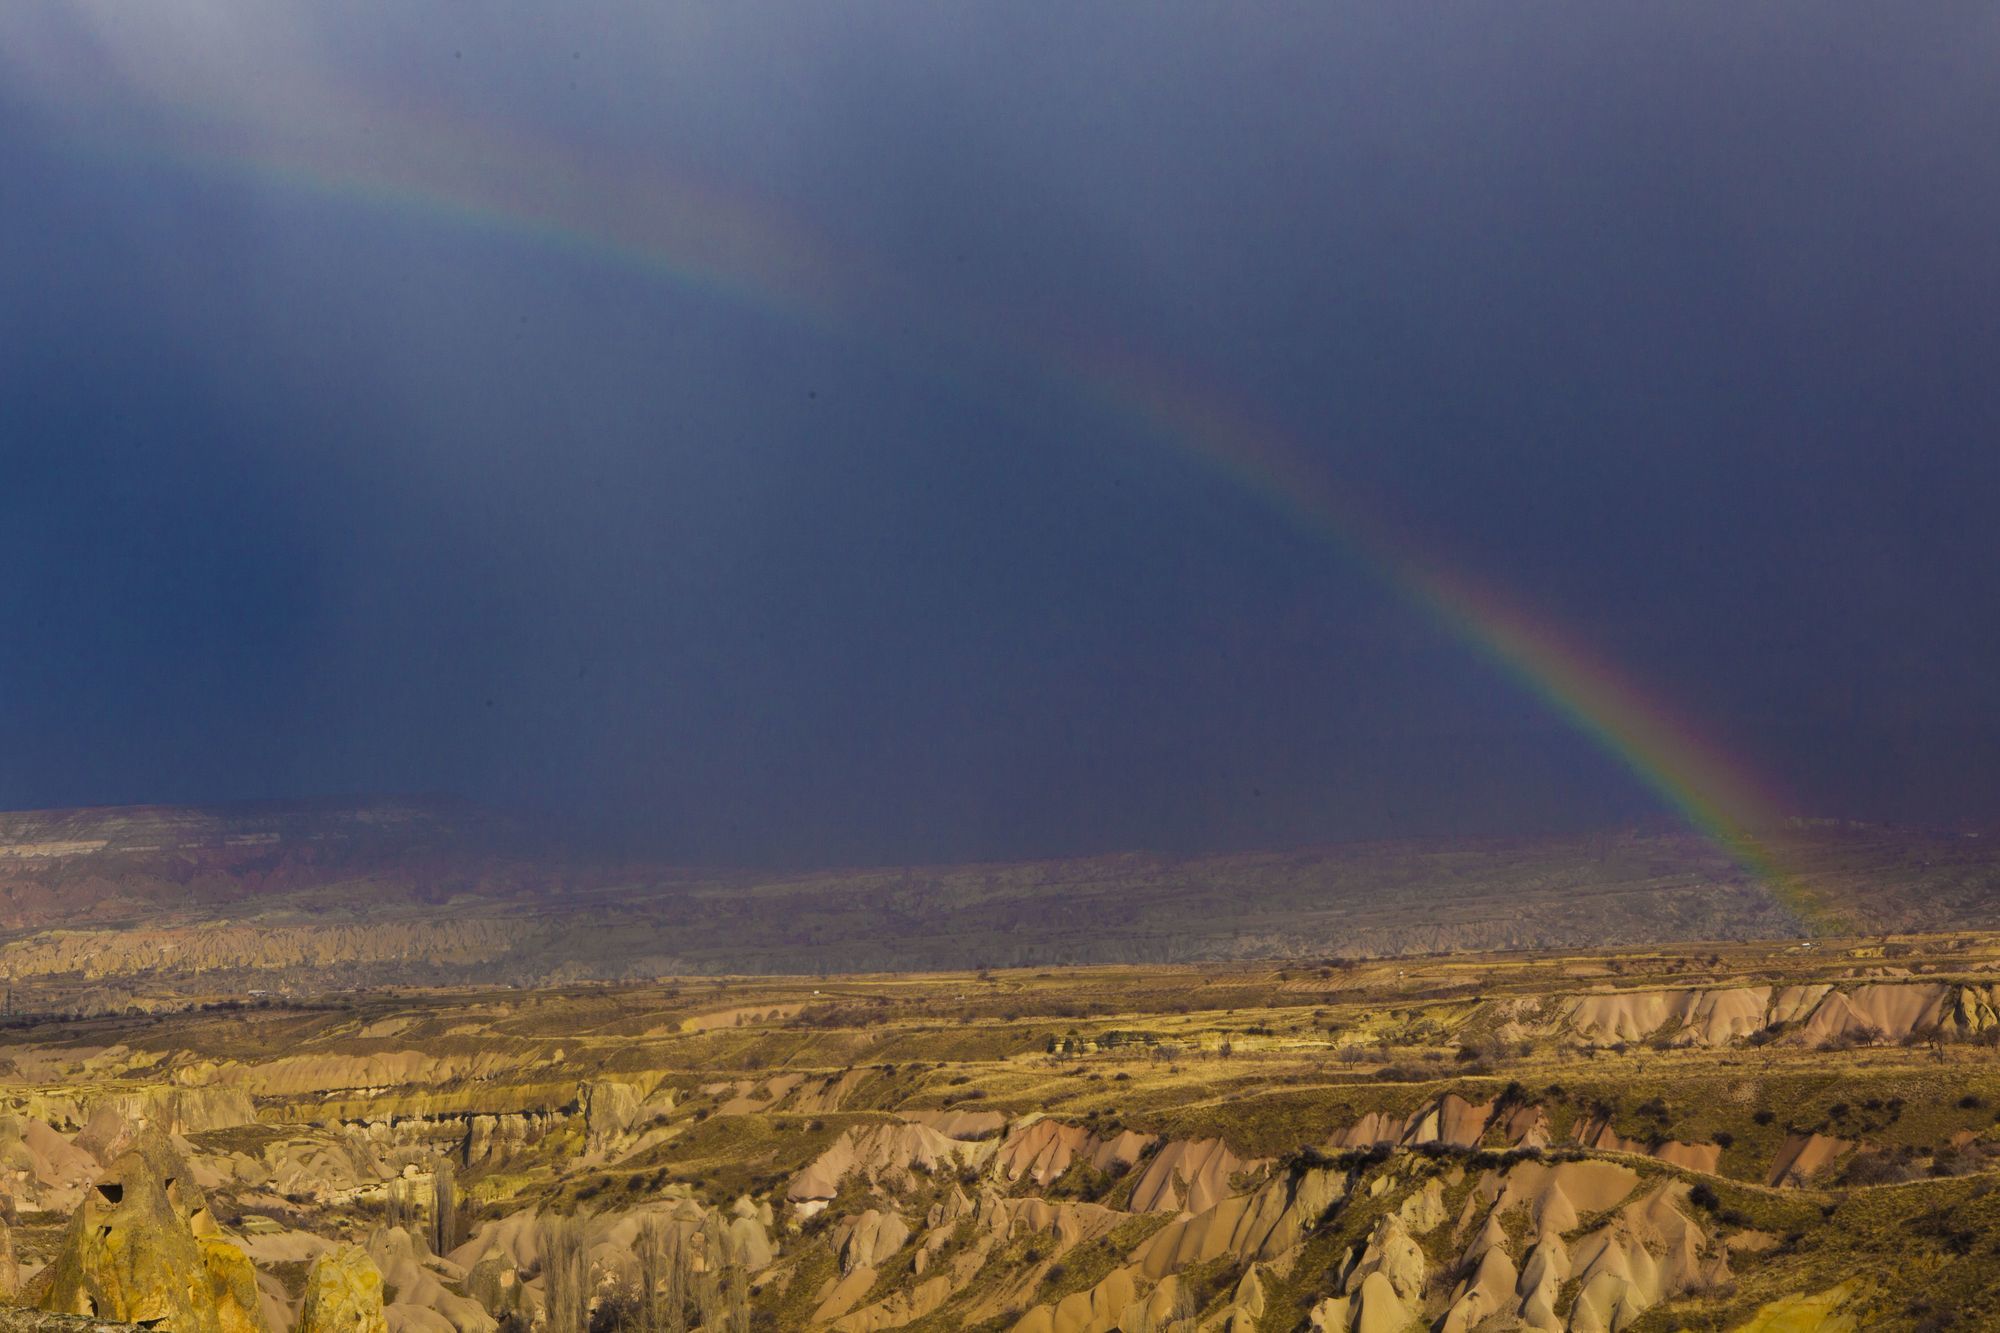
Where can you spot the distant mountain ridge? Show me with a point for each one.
(427, 890)
(157, 828)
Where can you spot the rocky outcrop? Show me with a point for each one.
(105, 1136)
(1486, 1291)
(144, 1248)
(1191, 1175)
(868, 1239)
(1596, 1132)
(1649, 1252)
(1041, 1150)
(1556, 1195)
(422, 1300)
(885, 1153)
(180, 1110)
(609, 1109)
(40, 1168)
(1249, 1227)
(959, 1124)
(1816, 1014)
(1802, 1156)
(329, 1071)
(1382, 1285)
(897, 1309)
(1099, 1309)
(494, 1138)
(1880, 1011)
(1712, 1017)
(10, 1266)
(343, 1294)
(817, 1096)
(1644, 1252)
(1450, 1120)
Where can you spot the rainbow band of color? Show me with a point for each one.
(724, 243)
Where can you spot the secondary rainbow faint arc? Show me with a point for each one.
(719, 241)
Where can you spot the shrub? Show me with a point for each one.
(1956, 1162)
(1303, 1159)
(617, 1310)
(1873, 1168)
(1865, 1035)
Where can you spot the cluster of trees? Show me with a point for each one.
(444, 1228)
(677, 1286)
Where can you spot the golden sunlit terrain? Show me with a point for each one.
(1766, 1136)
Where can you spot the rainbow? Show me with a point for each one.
(698, 236)
(1717, 794)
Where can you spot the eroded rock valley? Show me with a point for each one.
(1755, 1136)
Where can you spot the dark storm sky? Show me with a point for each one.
(1679, 321)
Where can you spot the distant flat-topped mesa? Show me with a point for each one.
(430, 892)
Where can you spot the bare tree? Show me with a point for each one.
(663, 1278)
(565, 1275)
(738, 1300)
(708, 1299)
(397, 1207)
(445, 1231)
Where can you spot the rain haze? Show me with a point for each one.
(811, 434)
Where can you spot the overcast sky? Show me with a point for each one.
(1681, 322)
